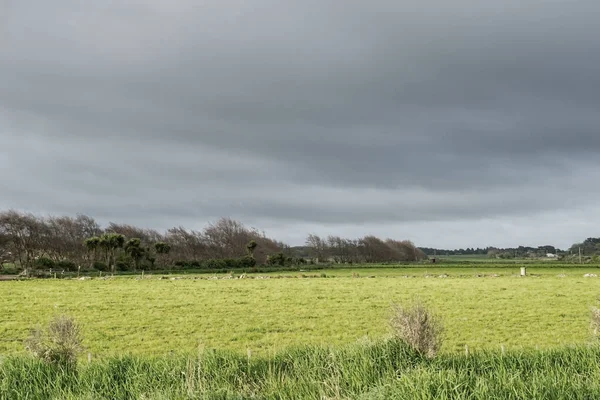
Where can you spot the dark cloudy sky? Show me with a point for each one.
(449, 122)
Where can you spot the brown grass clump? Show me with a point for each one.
(59, 343)
(418, 327)
(596, 321)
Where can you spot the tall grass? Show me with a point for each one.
(385, 369)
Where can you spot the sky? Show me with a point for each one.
(451, 123)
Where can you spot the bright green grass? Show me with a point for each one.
(486, 258)
(153, 316)
(380, 370)
(454, 271)
(468, 257)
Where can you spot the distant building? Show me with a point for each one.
(550, 255)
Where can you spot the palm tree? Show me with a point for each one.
(110, 242)
(92, 245)
(104, 244)
(133, 247)
(251, 246)
(162, 249)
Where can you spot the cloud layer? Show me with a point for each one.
(456, 123)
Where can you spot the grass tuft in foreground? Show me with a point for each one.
(59, 343)
(386, 369)
(418, 327)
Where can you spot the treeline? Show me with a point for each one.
(71, 243)
(524, 252)
(34, 242)
(589, 247)
(496, 252)
(368, 249)
(430, 251)
(583, 252)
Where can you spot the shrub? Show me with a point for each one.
(278, 259)
(44, 263)
(59, 343)
(149, 261)
(418, 327)
(180, 264)
(124, 263)
(247, 262)
(9, 269)
(66, 265)
(100, 266)
(36, 273)
(230, 263)
(214, 264)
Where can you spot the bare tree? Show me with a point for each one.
(318, 247)
(64, 236)
(374, 249)
(5, 253)
(146, 236)
(227, 238)
(187, 245)
(25, 232)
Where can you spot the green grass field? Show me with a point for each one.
(478, 258)
(483, 307)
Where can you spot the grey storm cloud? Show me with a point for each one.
(397, 118)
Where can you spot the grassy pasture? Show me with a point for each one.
(483, 307)
(469, 257)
